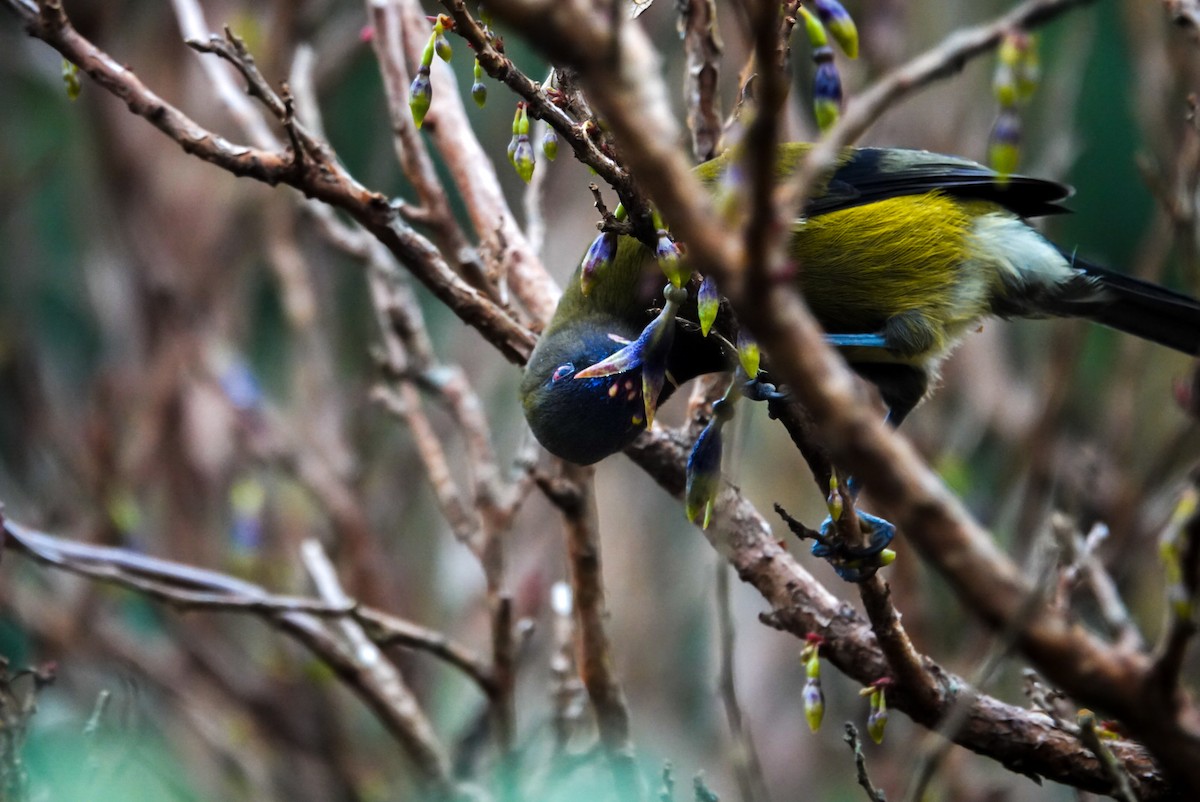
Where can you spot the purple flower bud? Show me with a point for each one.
(599, 255)
(1004, 144)
(550, 144)
(878, 717)
(420, 95)
(707, 303)
(840, 24)
(668, 256)
(827, 92)
(479, 93)
(815, 30)
(814, 704)
(704, 473)
(522, 158)
(441, 46)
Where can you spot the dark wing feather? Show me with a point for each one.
(875, 174)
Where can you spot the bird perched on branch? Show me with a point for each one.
(901, 252)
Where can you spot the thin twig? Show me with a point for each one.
(860, 764)
(744, 755)
(702, 45)
(1122, 787)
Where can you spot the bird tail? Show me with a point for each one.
(1140, 308)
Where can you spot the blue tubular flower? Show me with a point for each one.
(704, 472)
(707, 303)
(599, 256)
(648, 352)
(839, 24)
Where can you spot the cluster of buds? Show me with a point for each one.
(420, 92)
(814, 697)
(830, 20)
(877, 719)
(520, 151)
(1016, 77)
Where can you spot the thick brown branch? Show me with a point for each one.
(1023, 740)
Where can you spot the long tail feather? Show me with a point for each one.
(1142, 309)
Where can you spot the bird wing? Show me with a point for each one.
(875, 174)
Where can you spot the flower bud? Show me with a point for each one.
(599, 255)
(827, 91)
(420, 95)
(707, 303)
(839, 24)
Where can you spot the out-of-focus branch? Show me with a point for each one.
(187, 587)
(1184, 13)
(702, 45)
(315, 171)
(573, 493)
(744, 756)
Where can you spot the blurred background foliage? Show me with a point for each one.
(128, 268)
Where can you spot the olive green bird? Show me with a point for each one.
(901, 254)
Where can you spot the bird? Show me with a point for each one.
(901, 253)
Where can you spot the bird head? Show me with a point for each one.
(582, 420)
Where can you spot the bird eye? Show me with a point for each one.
(562, 372)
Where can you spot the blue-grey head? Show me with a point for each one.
(582, 420)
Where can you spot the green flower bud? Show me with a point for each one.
(708, 302)
(441, 46)
(878, 717)
(479, 93)
(550, 144)
(839, 23)
(70, 76)
(748, 353)
(420, 95)
(814, 704)
(522, 158)
(668, 256)
(704, 473)
(1004, 146)
(827, 91)
(815, 30)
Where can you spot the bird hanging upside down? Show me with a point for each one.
(901, 253)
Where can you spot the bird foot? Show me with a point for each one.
(856, 564)
(758, 390)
